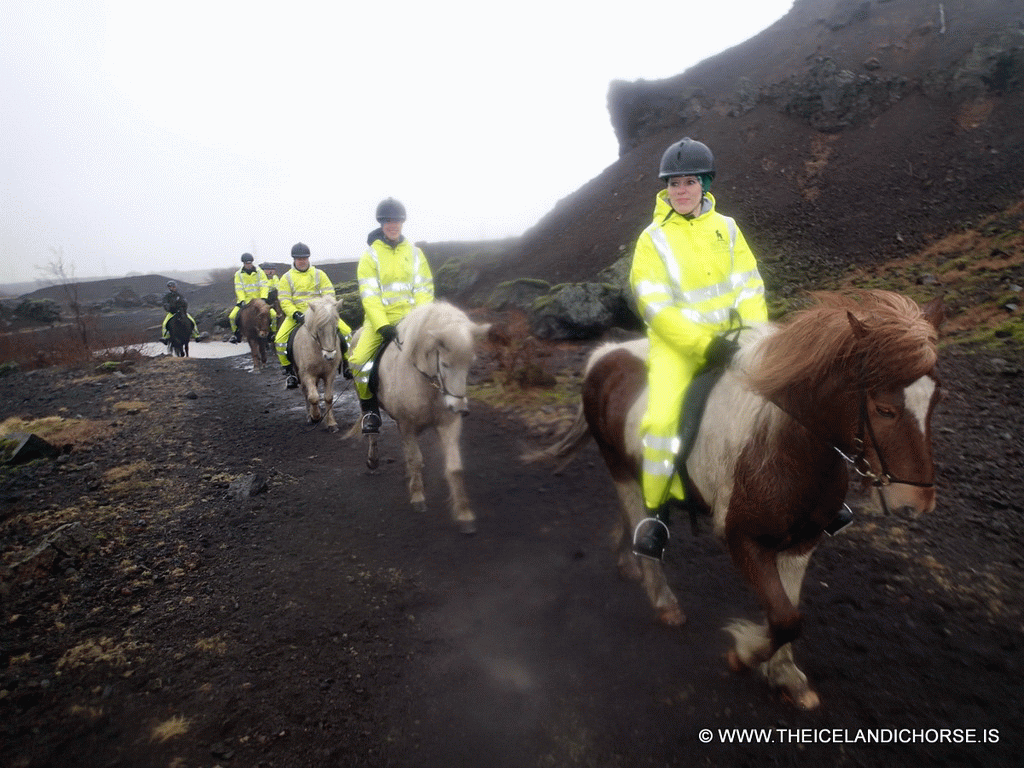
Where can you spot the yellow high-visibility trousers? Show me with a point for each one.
(669, 374)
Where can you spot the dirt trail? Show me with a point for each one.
(323, 623)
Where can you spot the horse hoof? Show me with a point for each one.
(735, 663)
(805, 699)
(332, 429)
(468, 527)
(372, 463)
(671, 617)
(419, 506)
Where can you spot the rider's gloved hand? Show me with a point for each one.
(721, 351)
(387, 332)
(299, 318)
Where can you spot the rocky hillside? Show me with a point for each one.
(847, 133)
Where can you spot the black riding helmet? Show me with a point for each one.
(390, 209)
(687, 157)
(247, 258)
(300, 251)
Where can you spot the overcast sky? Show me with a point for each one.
(148, 137)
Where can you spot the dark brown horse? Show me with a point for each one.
(179, 331)
(254, 326)
(847, 383)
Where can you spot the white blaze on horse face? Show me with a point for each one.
(918, 398)
(330, 355)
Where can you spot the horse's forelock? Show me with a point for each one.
(323, 312)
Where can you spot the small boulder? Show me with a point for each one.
(247, 486)
(22, 447)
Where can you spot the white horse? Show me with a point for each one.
(422, 378)
(317, 354)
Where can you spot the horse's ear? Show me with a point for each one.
(935, 312)
(420, 348)
(859, 331)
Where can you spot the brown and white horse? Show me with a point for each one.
(254, 325)
(316, 349)
(848, 381)
(422, 378)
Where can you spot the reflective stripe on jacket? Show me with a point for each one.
(251, 285)
(688, 273)
(296, 289)
(393, 280)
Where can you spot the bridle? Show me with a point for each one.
(860, 463)
(437, 380)
(316, 337)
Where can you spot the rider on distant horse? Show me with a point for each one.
(273, 282)
(393, 277)
(691, 268)
(297, 287)
(174, 301)
(250, 283)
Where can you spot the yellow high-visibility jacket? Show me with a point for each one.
(251, 285)
(296, 289)
(393, 280)
(688, 273)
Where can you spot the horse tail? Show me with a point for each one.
(565, 450)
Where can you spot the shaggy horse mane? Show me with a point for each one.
(865, 340)
(437, 319)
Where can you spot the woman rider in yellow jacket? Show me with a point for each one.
(692, 269)
(250, 283)
(394, 277)
(296, 288)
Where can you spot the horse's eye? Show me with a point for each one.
(885, 412)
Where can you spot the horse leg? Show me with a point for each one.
(450, 432)
(312, 394)
(329, 421)
(413, 467)
(643, 569)
(777, 578)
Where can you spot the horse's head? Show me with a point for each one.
(858, 372)
(445, 353)
(894, 415)
(322, 323)
(260, 313)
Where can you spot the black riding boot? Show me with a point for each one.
(651, 534)
(292, 381)
(371, 416)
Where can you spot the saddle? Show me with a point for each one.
(694, 402)
(373, 383)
